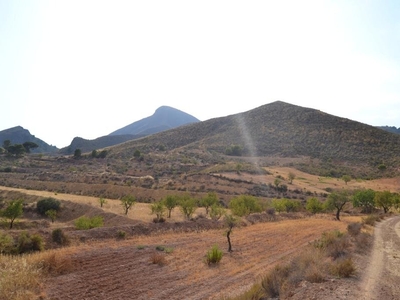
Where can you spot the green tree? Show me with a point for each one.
(6, 144)
(158, 208)
(28, 146)
(52, 214)
(188, 206)
(314, 206)
(16, 149)
(77, 153)
(216, 212)
(346, 178)
(127, 202)
(385, 200)
(364, 199)
(46, 204)
(285, 205)
(170, 203)
(94, 154)
(337, 200)
(13, 211)
(209, 200)
(244, 205)
(230, 222)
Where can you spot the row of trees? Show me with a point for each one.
(368, 200)
(18, 149)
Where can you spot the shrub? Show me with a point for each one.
(363, 242)
(6, 244)
(121, 234)
(314, 206)
(370, 220)
(160, 248)
(54, 263)
(214, 255)
(46, 204)
(158, 258)
(354, 228)
(29, 243)
(275, 280)
(343, 268)
(58, 236)
(84, 223)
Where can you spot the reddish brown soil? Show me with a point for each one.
(120, 270)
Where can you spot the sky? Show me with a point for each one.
(87, 68)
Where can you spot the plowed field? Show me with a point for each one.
(124, 269)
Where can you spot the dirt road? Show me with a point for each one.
(382, 276)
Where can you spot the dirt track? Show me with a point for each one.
(382, 277)
(119, 270)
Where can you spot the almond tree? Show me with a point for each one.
(337, 200)
(13, 211)
(127, 202)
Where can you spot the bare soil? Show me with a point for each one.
(123, 270)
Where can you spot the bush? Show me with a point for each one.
(159, 259)
(354, 228)
(84, 223)
(214, 255)
(58, 236)
(314, 206)
(46, 204)
(6, 244)
(273, 283)
(29, 243)
(121, 235)
(370, 220)
(343, 268)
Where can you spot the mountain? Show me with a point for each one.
(105, 141)
(19, 135)
(164, 118)
(391, 129)
(285, 130)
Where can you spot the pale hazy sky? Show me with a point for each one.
(87, 68)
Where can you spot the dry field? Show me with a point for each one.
(124, 269)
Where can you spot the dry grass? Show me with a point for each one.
(19, 279)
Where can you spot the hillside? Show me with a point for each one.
(19, 135)
(96, 144)
(164, 118)
(285, 130)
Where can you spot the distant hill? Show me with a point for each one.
(164, 118)
(282, 129)
(391, 129)
(19, 135)
(96, 144)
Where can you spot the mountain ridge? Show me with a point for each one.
(285, 130)
(20, 135)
